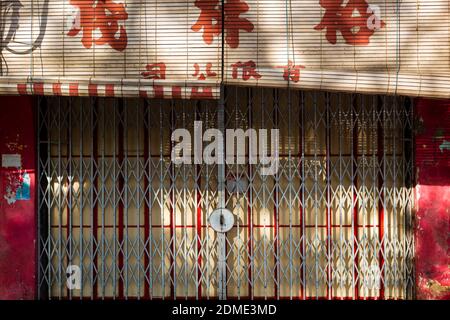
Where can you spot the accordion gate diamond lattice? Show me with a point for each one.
(335, 222)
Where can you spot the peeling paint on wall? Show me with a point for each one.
(445, 146)
(17, 180)
(17, 187)
(15, 146)
(23, 193)
(12, 184)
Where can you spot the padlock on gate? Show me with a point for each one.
(221, 220)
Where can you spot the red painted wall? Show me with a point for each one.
(433, 199)
(17, 212)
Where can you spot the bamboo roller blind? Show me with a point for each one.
(174, 48)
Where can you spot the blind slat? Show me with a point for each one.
(173, 49)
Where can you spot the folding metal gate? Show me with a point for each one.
(335, 222)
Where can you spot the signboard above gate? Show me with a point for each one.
(181, 49)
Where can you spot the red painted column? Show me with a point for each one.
(17, 198)
(432, 236)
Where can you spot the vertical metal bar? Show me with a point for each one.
(409, 186)
(207, 195)
(238, 230)
(250, 206)
(199, 232)
(225, 193)
(147, 203)
(276, 208)
(365, 220)
(361, 225)
(49, 211)
(355, 196)
(372, 150)
(198, 204)
(265, 221)
(316, 199)
(162, 193)
(381, 156)
(126, 202)
(137, 118)
(60, 179)
(70, 203)
(394, 204)
(290, 186)
(115, 129)
(341, 258)
(103, 200)
(149, 219)
(302, 195)
(173, 260)
(185, 210)
(93, 200)
(121, 203)
(221, 237)
(49, 204)
(81, 166)
(328, 204)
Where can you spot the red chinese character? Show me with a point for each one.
(248, 70)
(205, 92)
(155, 71)
(210, 20)
(291, 71)
(93, 15)
(202, 76)
(354, 29)
(209, 13)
